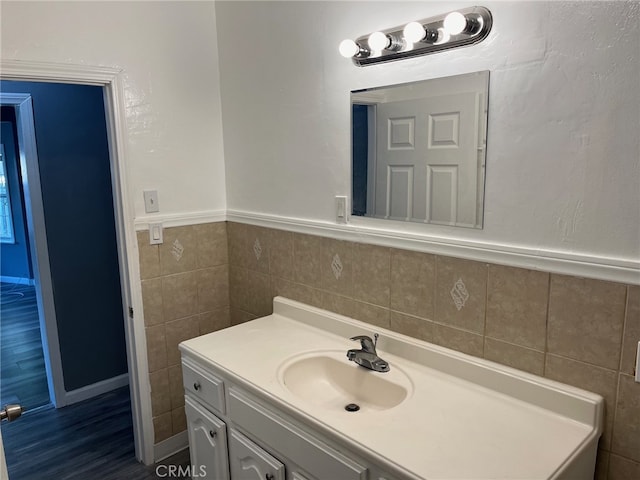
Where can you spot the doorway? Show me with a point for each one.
(108, 83)
(76, 208)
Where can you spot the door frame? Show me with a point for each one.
(111, 82)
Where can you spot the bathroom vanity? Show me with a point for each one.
(267, 400)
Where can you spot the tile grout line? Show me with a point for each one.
(546, 326)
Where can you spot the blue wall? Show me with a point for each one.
(73, 156)
(14, 257)
(359, 158)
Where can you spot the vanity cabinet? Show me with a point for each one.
(234, 434)
(271, 398)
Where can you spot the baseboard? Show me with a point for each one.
(95, 389)
(18, 280)
(170, 446)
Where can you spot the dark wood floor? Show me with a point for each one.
(90, 440)
(23, 379)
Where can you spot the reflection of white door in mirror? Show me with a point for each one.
(444, 160)
(421, 147)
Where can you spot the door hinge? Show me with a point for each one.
(130, 312)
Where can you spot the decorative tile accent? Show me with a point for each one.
(449, 272)
(336, 266)
(459, 294)
(257, 249)
(177, 250)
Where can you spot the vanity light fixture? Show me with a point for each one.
(455, 29)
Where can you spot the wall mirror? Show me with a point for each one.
(418, 150)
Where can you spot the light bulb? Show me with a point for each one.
(378, 41)
(414, 32)
(443, 36)
(348, 48)
(454, 23)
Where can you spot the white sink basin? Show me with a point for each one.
(329, 380)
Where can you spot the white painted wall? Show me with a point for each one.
(167, 52)
(563, 163)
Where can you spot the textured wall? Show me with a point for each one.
(563, 156)
(167, 52)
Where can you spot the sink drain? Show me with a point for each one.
(352, 407)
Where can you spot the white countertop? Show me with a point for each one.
(449, 427)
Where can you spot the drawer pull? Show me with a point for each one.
(269, 476)
(212, 434)
(196, 386)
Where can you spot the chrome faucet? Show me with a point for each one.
(367, 357)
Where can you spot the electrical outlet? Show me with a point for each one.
(151, 201)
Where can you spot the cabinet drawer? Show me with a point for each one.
(250, 462)
(205, 386)
(316, 457)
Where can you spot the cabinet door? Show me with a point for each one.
(207, 442)
(250, 462)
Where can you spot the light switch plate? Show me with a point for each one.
(155, 233)
(341, 209)
(151, 201)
